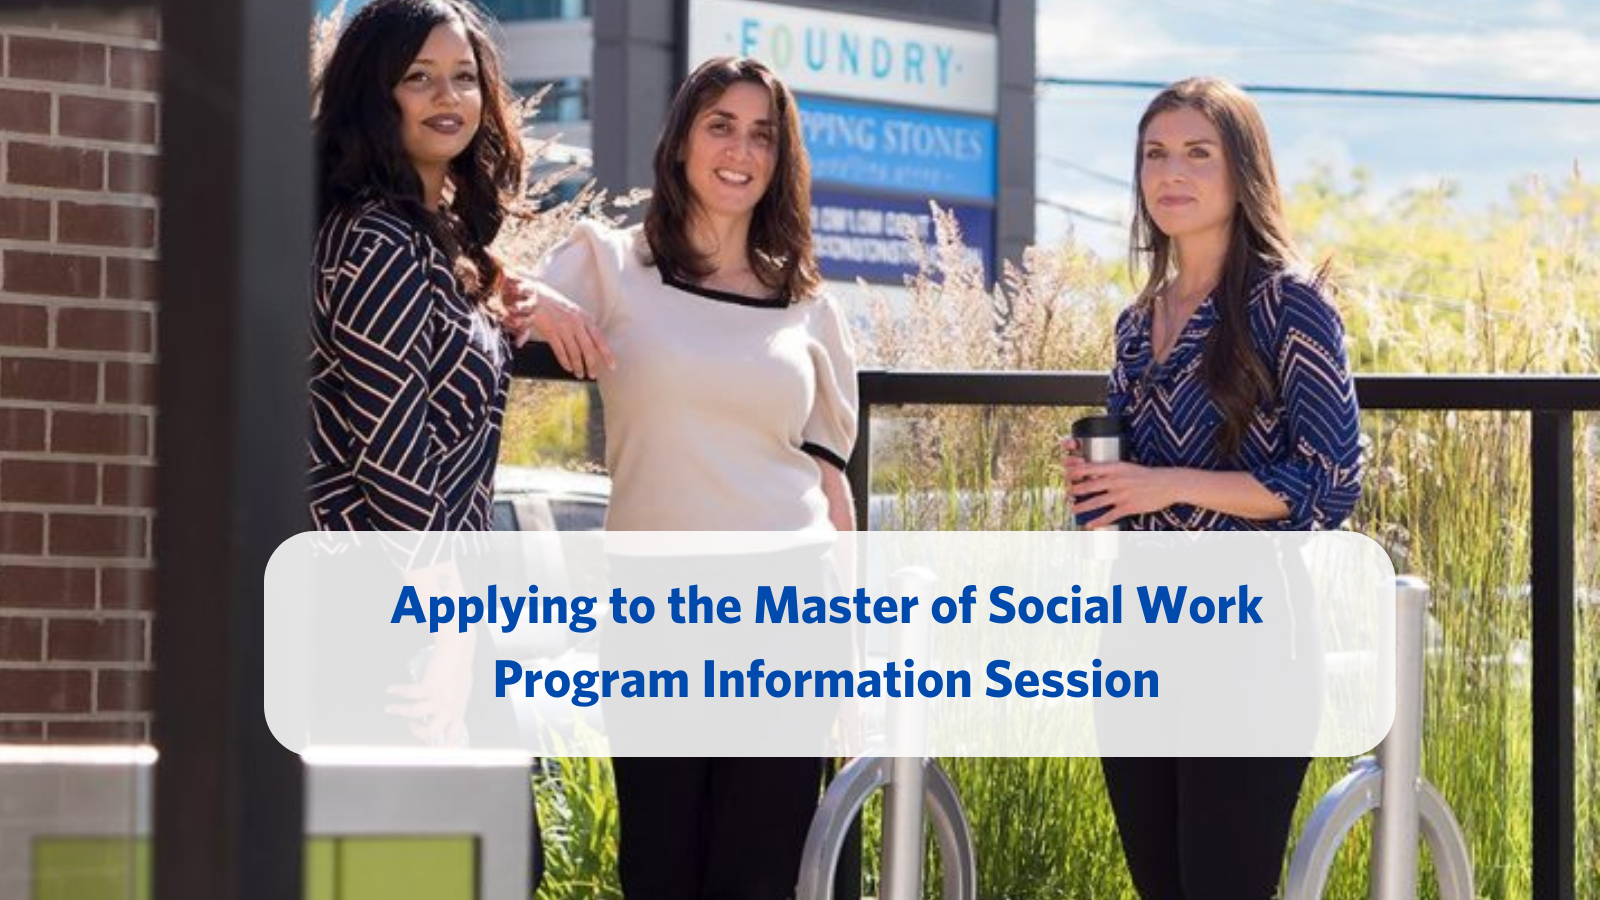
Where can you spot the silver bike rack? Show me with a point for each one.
(1390, 783)
(913, 786)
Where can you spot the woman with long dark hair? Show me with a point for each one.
(418, 162)
(731, 407)
(1233, 385)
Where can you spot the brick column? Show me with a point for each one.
(78, 161)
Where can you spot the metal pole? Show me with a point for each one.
(1395, 833)
(913, 785)
(236, 233)
(903, 798)
(903, 830)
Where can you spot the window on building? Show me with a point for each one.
(501, 10)
(567, 101)
(523, 10)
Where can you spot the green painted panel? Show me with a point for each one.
(386, 868)
(346, 868)
(91, 868)
(321, 871)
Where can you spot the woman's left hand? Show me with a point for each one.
(533, 307)
(438, 702)
(1119, 489)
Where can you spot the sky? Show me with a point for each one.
(1086, 135)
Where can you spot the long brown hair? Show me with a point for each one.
(359, 152)
(1258, 245)
(780, 249)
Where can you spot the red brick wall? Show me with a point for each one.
(78, 214)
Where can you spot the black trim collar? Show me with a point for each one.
(722, 296)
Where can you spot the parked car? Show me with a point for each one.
(548, 499)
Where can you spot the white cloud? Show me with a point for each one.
(1556, 59)
(1106, 38)
(1547, 10)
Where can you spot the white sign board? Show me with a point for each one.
(851, 56)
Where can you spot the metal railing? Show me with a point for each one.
(1552, 402)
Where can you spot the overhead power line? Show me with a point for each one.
(1071, 210)
(1360, 93)
(1082, 169)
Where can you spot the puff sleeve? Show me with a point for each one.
(585, 266)
(1320, 478)
(830, 430)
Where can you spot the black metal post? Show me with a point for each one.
(859, 469)
(1552, 605)
(235, 242)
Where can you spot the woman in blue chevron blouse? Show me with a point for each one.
(1239, 410)
(419, 159)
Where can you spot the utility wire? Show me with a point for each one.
(1082, 169)
(1078, 213)
(1363, 93)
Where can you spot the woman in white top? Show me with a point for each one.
(731, 406)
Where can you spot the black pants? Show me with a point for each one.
(717, 828)
(1204, 829)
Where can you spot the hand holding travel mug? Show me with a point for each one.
(1099, 439)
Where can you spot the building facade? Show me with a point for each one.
(903, 102)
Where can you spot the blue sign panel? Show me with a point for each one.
(865, 237)
(883, 148)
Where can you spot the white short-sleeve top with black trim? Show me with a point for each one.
(408, 382)
(720, 405)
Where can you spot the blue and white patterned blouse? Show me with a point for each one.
(408, 383)
(1302, 444)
